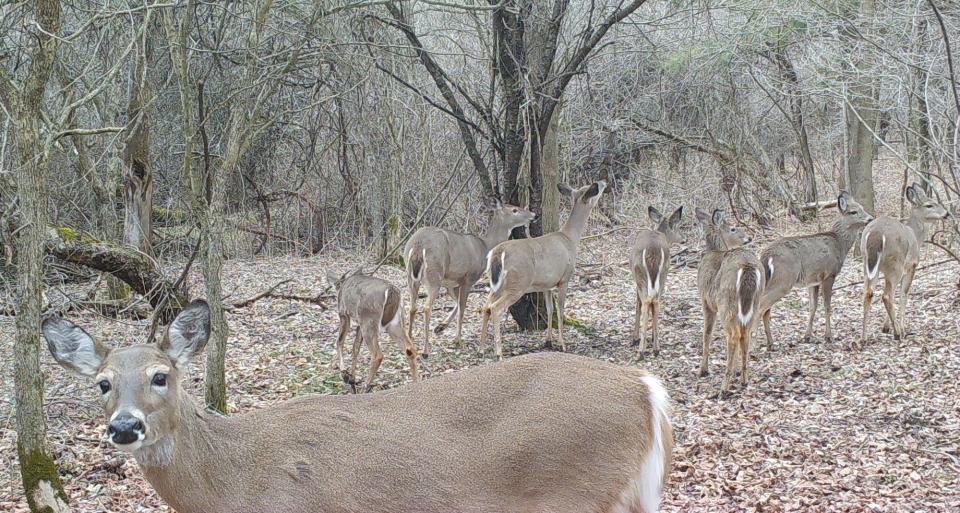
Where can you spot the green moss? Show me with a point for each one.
(118, 290)
(68, 234)
(37, 467)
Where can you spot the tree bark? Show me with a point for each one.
(860, 106)
(137, 167)
(41, 484)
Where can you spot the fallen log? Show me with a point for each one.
(130, 266)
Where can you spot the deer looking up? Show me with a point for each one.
(436, 257)
(811, 261)
(451, 443)
(892, 248)
(540, 264)
(730, 282)
(650, 263)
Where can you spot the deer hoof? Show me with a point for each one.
(635, 342)
(348, 378)
(656, 352)
(885, 329)
(703, 373)
(897, 335)
(424, 355)
(439, 329)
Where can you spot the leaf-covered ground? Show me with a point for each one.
(820, 427)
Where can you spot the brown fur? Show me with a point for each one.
(523, 435)
(874, 245)
(438, 257)
(650, 263)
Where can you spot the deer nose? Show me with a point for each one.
(125, 429)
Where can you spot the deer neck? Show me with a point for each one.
(186, 468)
(496, 233)
(918, 225)
(714, 242)
(577, 221)
(846, 234)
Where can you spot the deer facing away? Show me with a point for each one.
(436, 257)
(523, 435)
(892, 248)
(650, 264)
(811, 261)
(730, 281)
(374, 304)
(540, 264)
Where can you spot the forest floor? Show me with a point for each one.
(819, 428)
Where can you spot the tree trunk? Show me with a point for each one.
(860, 106)
(137, 168)
(41, 484)
(551, 176)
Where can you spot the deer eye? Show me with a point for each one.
(104, 386)
(159, 379)
(853, 212)
(515, 211)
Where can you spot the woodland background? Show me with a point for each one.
(153, 151)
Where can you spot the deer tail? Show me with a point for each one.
(871, 262)
(748, 288)
(496, 270)
(416, 262)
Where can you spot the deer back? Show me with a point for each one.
(366, 297)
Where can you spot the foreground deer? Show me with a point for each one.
(456, 261)
(650, 263)
(373, 304)
(540, 264)
(811, 261)
(525, 435)
(890, 247)
(730, 282)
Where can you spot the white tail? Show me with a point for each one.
(541, 264)
(305, 454)
(456, 258)
(811, 261)
(892, 248)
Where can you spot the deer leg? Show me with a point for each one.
(496, 311)
(709, 317)
(867, 304)
(432, 292)
(337, 361)
(731, 360)
(826, 289)
(400, 337)
(454, 293)
(370, 336)
(744, 353)
(351, 377)
(766, 329)
(561, 301)
(905, 285)
(814, 293)
(643, 310)
(548, 302)
(890, 282)
(637, 319)
(654, 325)
(485, 321)
(414, 294)
(464, 291)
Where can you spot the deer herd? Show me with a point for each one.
(535, 433)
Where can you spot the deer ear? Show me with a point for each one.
(594, 191)
(491, 203)
(676, 217)
(843, 201)
(912, 195)
(565, 190)
(72, 347)
(333, 279)
(655, 216)
(718, 217)
(188, 333)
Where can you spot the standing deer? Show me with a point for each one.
(730, 283)
(540, 264)
(650, 263)
(373, 304)
(811, 261)
(890, 247)
(456, 261)
(524, 435)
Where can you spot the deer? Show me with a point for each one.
(650, 264)
(729, 282)
(437, 257)
(374, 304)
(811, 261)
(452, 443)
(890, 247)
(540, 264)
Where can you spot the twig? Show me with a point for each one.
(254, 299)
